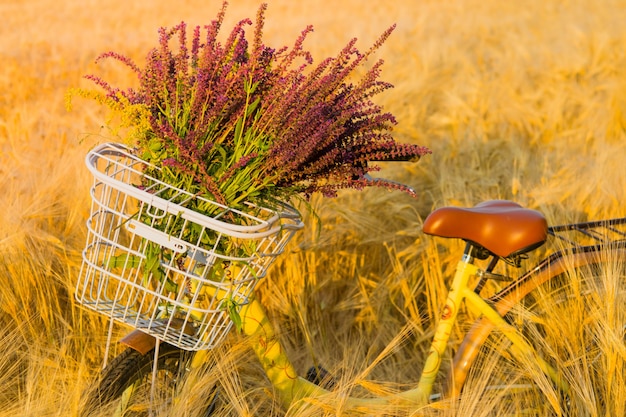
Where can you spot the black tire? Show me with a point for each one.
(125, 385)
(576, 322)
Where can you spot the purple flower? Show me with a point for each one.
(169, 162)
(236, 114)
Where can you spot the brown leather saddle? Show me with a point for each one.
(502, 227)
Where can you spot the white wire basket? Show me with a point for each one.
(155, 263)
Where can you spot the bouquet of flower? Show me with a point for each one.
(243, 122)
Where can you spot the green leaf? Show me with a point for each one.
(153, 268)
(233, 312)
(171, 286)
(252, 107)
(123, 261)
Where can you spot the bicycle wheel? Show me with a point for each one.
(125, 386)
(576, 322)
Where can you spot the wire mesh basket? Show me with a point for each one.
(154, 262)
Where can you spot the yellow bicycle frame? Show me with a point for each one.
(293, 389)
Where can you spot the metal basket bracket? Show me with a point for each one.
(156, 236)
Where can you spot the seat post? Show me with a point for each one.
(468, 253)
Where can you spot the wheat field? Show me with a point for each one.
(517, 100)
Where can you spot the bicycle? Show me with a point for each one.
(174, 331)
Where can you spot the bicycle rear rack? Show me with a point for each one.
(599, 232)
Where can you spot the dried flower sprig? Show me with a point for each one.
(241, 121)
